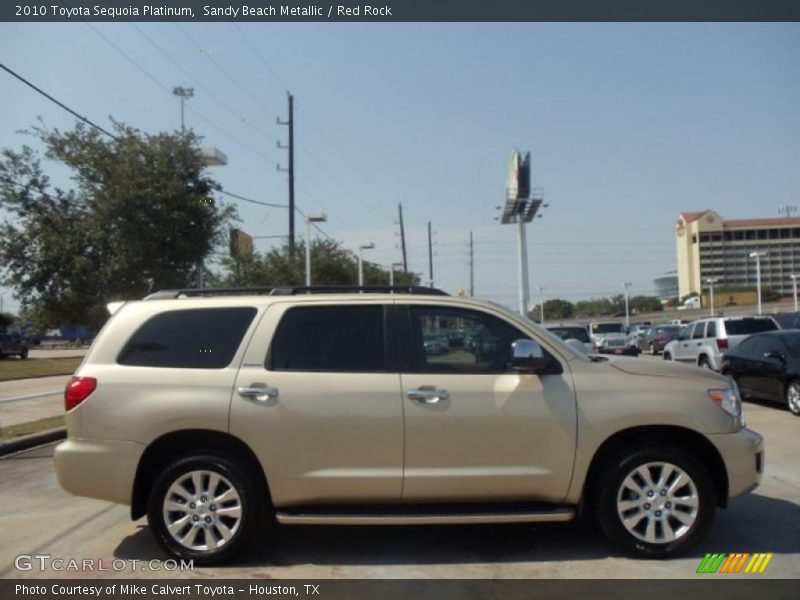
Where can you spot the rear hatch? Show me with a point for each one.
(739, 329)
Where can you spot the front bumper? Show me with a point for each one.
(743, 455)
(101, 469)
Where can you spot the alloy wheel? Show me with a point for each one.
(202, 510)
(658, 502)
(793, 397)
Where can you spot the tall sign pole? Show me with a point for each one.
(290, 169)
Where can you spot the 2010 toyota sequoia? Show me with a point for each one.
(218, 413)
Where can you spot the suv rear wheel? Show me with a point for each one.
(205, 508)
(655, 502)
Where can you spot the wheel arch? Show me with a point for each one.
(685, 438)
(177, 444)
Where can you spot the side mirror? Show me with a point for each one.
(527, 355)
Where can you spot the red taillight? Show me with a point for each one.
(78, 389)
(722, 344)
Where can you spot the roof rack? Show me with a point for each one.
(297, 290)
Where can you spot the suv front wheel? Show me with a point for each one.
(655, 502)
(205, 508)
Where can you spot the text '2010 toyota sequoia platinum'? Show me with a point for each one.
(218, 415)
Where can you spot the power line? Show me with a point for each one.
(209, 92)
(61, 104)
(167, 90)
(250, 200)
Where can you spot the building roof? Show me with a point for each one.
(760, 222)
(690, 217)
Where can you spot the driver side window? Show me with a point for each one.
(448, 340)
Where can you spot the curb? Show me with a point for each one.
(26, 442)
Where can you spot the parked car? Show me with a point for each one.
(574, 332)
(658, 336)
(12, 344)
(705, 341)
(767, 366)
(610, 337)
(217, 416)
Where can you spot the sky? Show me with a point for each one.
(628, 125)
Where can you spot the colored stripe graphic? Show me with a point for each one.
(723, 563)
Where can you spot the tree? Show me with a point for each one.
(331, 264)
(139, 218)
(555, 308)
(645, 304)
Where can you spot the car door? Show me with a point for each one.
(743, 361)
(774, 357)
(318, 399)
(475, 428)
(682, 351)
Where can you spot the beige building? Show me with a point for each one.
(712, 247)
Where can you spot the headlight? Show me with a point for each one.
(729, 401)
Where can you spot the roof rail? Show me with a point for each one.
(297, 290)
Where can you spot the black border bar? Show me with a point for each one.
(399, 10)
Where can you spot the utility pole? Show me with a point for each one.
(471, 266)
(403, 239)
(290, 170)
(184, 94)
(430, 253)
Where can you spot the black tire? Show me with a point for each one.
(703, 363)
(609, 489)
(24, 354)
(253, 502)
(653, 350)
(792, 404)
(667, 355)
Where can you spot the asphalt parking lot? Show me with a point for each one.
(39, 518)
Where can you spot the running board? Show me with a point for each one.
(314, 516)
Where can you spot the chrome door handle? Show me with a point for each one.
(428, 396)
(262, 393)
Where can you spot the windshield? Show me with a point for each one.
(575, 333)
(608, 328)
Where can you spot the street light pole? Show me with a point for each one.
(311, 218)
(626, 285)
(361, 248)
(541, 304)
(392, 267)
(758, 256)
(711, 281)
(794, 287)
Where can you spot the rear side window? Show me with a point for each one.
(329, 339)
(748, 326)
(205, 338)
(711, 329)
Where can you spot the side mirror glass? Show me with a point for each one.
(527, 355)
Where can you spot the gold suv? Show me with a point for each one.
(218, 413)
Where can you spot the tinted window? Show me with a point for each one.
(486, 341)
(748, 347)
(790, 321)
(699, 330)
(748, 326)
(204, 338)
(792, 344)
(687, 333)
(608, 328)
(711, 329)
(330, 338)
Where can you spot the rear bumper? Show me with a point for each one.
(101, 469)
(743, 455)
